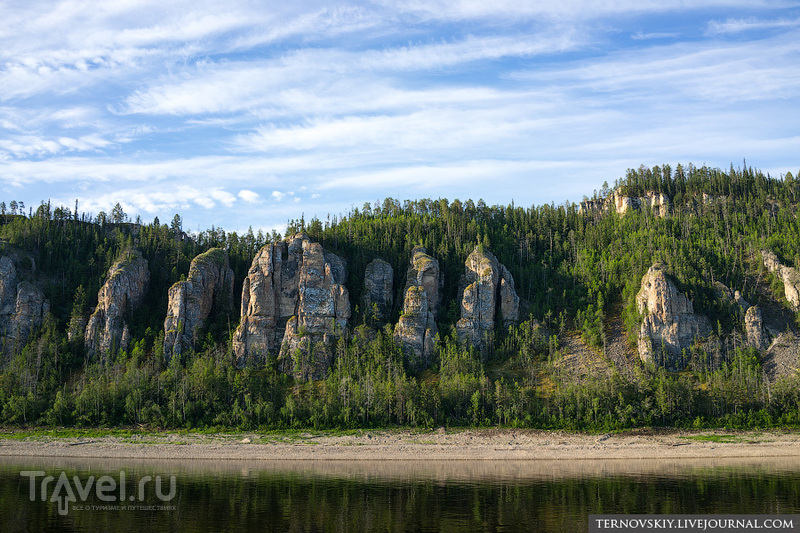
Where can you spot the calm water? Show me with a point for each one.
(393, 495)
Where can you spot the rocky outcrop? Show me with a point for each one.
(757, 337)
(788, 275)
(29, 312)
(670, 324)
(424, 272)
(487, 291)
(509, 299)
(208, 287)
(323, 309)
(123, 291)
(416, 330)
(23, 307)
(378, 295)
(592, 206)
(708, 199)
(658, 203)
(294, 304)
(731, 297)
(8, 286)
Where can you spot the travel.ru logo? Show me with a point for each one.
(63, 490)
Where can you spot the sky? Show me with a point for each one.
(242, 113)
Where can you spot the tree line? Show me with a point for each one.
(572, 270)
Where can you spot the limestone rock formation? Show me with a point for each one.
(323, 309)
(209, 286)
(294, 303)
(509, 299)
(788, 275)
(658, 203)
(770, 261)
(22, 307)
(378, 295)
(486, 288)
(731, 297)
(708, 199)
(754, 326)
(416, 330)
(123, 291)
(8, 286)
(670, 324)
(424, 272)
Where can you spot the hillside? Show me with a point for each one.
(671, 298)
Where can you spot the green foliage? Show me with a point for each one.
(570, 269)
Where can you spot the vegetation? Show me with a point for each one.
(574, 271)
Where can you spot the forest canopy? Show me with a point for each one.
(577, 269)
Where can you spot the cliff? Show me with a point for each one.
(659, 203)
(757, 337)
(788, 275)
(487, 291)
(22, 307)
(416, 330)
(378, 297)
(123, 291)
(294, 304)
(670, 324)
(208, 286)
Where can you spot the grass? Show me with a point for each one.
(66, 433)
(715, 438)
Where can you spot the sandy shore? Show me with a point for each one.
(405, 445)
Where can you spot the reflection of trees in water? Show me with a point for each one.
(250, 499)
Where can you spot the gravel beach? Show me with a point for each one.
(405, 445)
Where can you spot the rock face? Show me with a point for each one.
(378, 295)
(754, 326)
(670, 324)
(416, 331)
(731, 297)
(621, 204)
(509, 299)
(8, 286)
(22, 306)
(789, 275)
(209, 285)
(123, 291)
(708, 199)
(487, 291)
(656, 201)
(294, 303)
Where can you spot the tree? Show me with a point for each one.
(118, 216)
(177, 224)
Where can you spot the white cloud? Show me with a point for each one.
(730, 25)
(30, 145)
(641, 36)
(316, 80)
(251, 197)
(144, 200)
(183, 107)
(572, 9)
(728, 72)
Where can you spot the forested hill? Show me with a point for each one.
(669, 298)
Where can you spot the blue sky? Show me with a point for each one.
(245, 113)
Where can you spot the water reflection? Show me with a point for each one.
(407, 495)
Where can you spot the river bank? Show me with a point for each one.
(408, 445)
